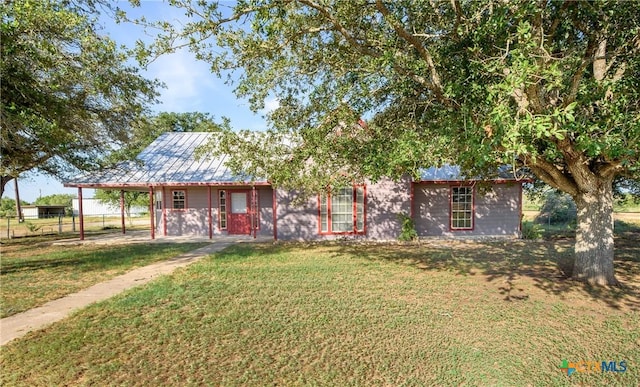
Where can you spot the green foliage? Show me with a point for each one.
(68, 95)
(408, 229)
(32, 227)
(557, 208)
(468, 82)
(627, 192)
(55, 200)
(147, 129)
(65, 200)
(8, 207)
(531, 230)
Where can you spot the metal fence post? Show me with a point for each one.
(59, 224)
(73, 223)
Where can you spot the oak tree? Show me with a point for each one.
(67, 92)
(552, 86)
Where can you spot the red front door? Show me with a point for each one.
(239, 213)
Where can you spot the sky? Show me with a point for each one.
(190, 87)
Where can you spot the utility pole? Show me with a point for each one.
(18, 205)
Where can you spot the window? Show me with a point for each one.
(179, 200)
(461, 208)
(222, 209)
(342, 211)
(158, 200)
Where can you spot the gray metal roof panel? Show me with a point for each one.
(169, 159)
(448, 172)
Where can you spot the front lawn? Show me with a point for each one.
(443, 313)
(33, 274)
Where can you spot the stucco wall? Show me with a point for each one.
(497, 211)
(384, 201)
(194, 220)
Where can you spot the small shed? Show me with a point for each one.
(42, 212)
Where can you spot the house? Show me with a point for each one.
(200, 196)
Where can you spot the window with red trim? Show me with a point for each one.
(462, 208)
(342, 211)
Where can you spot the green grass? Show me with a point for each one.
(445, 313)
(34, 273)
(30, 228)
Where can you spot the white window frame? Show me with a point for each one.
(461, 208)
(177, 199)
(342, 211)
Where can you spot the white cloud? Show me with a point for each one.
(187, 81)
(270, 104)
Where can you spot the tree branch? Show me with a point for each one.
(340, 28)
(577, 76)
(551, 175)
(436, 84)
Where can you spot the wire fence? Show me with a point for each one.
(12, 228)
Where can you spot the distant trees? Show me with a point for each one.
(65, 200)
(8, 207)
(147, 129)
(144, 132)
(558, 207)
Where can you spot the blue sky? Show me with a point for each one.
(190, 86)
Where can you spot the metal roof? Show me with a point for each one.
(169, 160)
(453, 173)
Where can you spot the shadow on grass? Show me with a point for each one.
(548, 263)
(85, 260)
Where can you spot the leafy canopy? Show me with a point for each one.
(146, 129)
(550, 85)
(67, 93)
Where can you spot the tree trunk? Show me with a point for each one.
(3, 181)
(594, 235)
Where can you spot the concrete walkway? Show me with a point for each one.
(20, 324)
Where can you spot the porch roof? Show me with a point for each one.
(169, 160)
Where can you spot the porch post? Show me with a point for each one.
(210, 214)
(164, 210)
(122, 211)
(254, 221)
(152, 211)
(411, 199)
(80, 213)
(520, 209)
(275, 214)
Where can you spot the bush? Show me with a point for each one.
(408, 231)
(33, 227)
(531, 230)
(558, 208)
